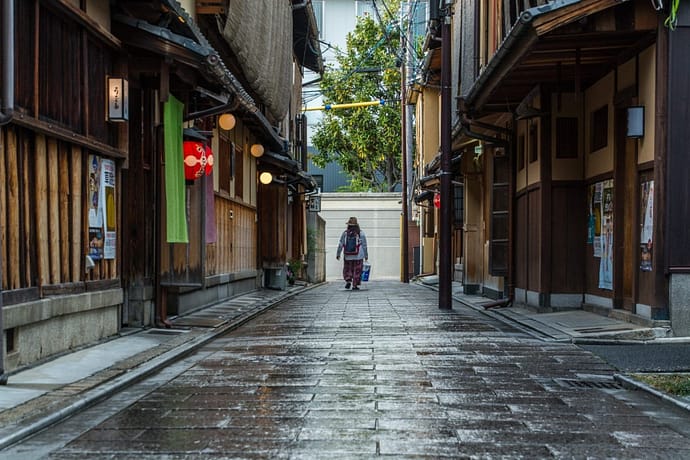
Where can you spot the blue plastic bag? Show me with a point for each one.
(366, 270)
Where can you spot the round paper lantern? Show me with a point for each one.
(256, 150)
(266, 178)
(226, 121)
(437, 200)
(198, 160)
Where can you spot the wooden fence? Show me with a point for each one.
(43, 214)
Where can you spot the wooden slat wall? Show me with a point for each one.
(40, 178)
(12, 208)
(43, 225)
(235, 248)
(63, 207)
(28, 269)
(53, 212)
(77, 206)
(3, 208)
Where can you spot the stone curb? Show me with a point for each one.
(107, 388)
(630, 382)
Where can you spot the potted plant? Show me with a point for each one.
(293, 270)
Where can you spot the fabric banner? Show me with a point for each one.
(175, 196)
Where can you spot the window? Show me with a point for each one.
(533, 143)
(428, 223)
(365, 8)
(459, 198)
(599, 128)
(566, 137)
(225, 172)
(318, 12)
(521, 152)
(238, 171)
(419, 18)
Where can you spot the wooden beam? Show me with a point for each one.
(3, 209)
(548, 22)
(52, 229)
(77, 228)
(64, 212)
(42, 224)
(13, 215)
(57, 132)
(211, 6)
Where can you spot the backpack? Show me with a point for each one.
(352, 243)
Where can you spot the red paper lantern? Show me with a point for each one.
(437, 200)
(198, 160)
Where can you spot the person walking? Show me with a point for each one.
(353, 246)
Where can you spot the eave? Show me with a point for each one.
(539, 49)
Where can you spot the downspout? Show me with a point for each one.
(7, 105)
(6, 112)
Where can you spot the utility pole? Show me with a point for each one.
(445, 289)
(408, 119)
(404, 256)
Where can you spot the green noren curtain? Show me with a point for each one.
(175, 197)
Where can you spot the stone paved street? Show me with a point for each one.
(332, 373)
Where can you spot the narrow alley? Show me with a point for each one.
(331, 373)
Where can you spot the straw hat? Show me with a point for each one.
(352, 221)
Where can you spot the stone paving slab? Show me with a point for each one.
(382, 368)
(44, 394)
(370, 382)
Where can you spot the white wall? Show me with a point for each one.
(379, 217)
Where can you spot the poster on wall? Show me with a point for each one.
(94, 194)
(646, 232)
(108, 199)
(606, 237)
(96, 243)
(102, 214)
(594, 221)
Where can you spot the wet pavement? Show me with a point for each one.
(379, 372)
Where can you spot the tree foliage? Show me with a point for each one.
(365, 141)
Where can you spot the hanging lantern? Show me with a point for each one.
(437, 200)
(198, 160)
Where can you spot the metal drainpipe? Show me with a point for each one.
(6, 111)
(7, 106)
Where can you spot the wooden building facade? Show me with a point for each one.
(565, 134)
(99, 227)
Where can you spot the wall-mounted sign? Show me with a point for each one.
(314, 204)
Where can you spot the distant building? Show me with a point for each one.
(335, 19)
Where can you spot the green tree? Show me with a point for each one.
(365, 141)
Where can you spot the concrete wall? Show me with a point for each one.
(182, 301)
(679, 304)
(316, 248)
(53, 325)
(379, 217)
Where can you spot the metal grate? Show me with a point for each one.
(580, 384)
